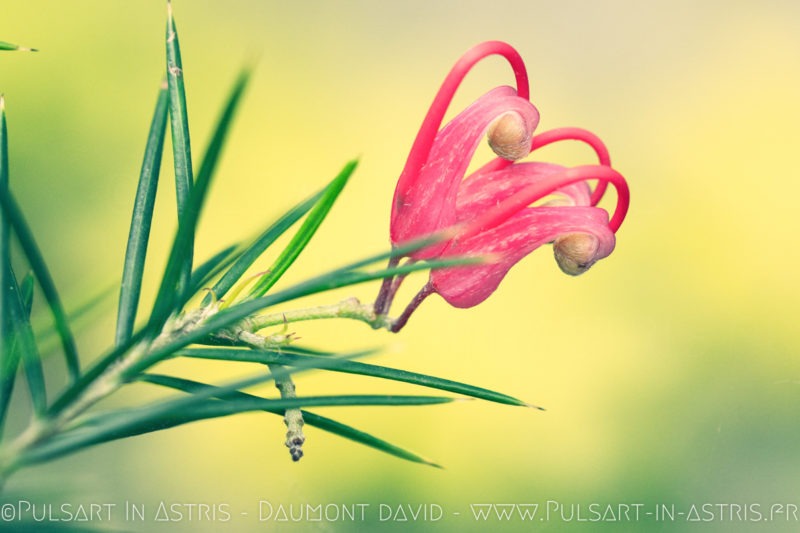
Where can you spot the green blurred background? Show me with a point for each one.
(670, 372)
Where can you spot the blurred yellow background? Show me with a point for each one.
(669, 371)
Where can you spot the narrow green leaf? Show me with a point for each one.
(31, 249)
(26, 294)
(173, 293)
(133, 371)
(8, 356)
(130, 422)
(258, 246)
(141, 220)
(305, 350)
(21, 339)
(44, 332)
(311, 419)
(181, 147)
(361, 437)
(401, 250)
(15, 47)
(326, 282)
(5, 229)
(235, 314)
(94, 371)
(213, 266)
(12, 216)
(214, 409)
(340, 277)
(285, 357)
(104, 362)
(306, 231)
(8, 374)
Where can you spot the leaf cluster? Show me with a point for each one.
(171, 328)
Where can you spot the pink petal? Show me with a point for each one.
(477, 221)
(426, 202)
(481, 191)
(435, 115)
(511, 241)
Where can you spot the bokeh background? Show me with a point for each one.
(670, 372)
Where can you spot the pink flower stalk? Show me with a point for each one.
(505, 209)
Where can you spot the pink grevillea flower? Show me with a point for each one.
(506, 209)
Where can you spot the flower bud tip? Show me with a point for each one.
(509, 137)
(575, 252)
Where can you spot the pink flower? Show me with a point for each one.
(494, 210)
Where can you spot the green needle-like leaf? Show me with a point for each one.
(8, 356)
(181, 145)
(139, 235)
(311, 419)
(213, 266)
(26, 294)
(12, 216)
(21, 339)
(21, 327)
(19, 343)
(286, 358)
(8, 374)
(306, 231)
(5, 229)
(79, 313)
(163, 415)
(173, 293)
(340, 277)
(259, 245)
(235, 314)
(132, 372)
(356, 435)
(95, 371)
(15, 47)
